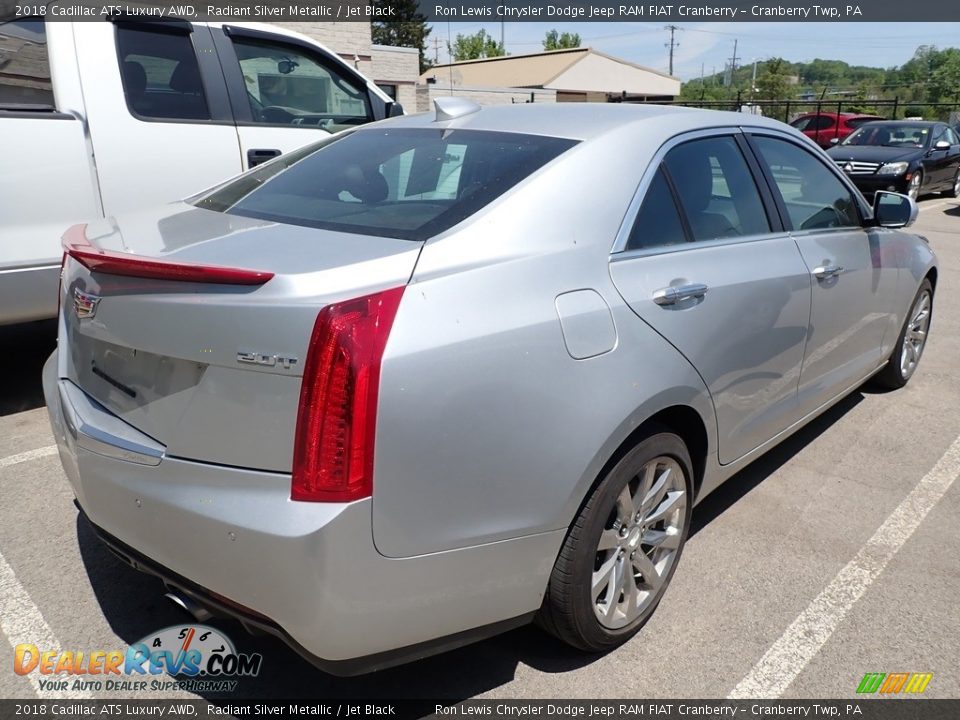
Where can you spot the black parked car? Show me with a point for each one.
(907, 156)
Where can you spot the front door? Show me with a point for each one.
(287, 93)
(853, 276)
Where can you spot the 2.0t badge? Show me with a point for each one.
(85, 304)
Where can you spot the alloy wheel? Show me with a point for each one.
(639, 543)
(915, 335)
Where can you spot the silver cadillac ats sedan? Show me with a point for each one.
(448, 373)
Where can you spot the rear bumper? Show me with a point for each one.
(308, 572)
(28, 293)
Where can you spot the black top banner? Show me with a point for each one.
(473, 11)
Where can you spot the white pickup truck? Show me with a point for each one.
(100, 118)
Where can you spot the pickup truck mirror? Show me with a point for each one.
(941, 145)
(834, 141)
(893, 210)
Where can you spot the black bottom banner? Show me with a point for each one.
(856, 709)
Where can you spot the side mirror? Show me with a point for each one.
(285, 67)
(395, 110)
(834, 141)
(893, 210)
(941, 145)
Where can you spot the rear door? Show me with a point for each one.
(705, 262)
(853, 271)
(157, 110)
(287, 92)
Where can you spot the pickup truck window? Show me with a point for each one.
(287, 86)
(24, 66)
(161, 77)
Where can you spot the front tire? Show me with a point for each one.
(906, 353)
(623, 547)
(913, 187)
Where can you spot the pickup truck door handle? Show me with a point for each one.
(672, 295)
(824, 272)
(257, 156)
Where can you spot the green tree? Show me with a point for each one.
(409, 29)
(478, 45)
(773, 84)
(560, 41)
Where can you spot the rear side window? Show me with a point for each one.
(160, 74)
(24, 66)
(821, 122)
(410, 184)
(658, 222)
(716, 189)
(814, 197)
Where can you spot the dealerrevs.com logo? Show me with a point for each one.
(894, 683)
(199, 657)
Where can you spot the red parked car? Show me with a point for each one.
(823, 127)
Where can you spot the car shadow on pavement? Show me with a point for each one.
(26, 349)
(450, 677)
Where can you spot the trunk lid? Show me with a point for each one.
(212, 370)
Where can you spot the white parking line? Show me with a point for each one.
(28, 455)
(789, 655)
(22, 622)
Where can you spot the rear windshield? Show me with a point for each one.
(403, 183)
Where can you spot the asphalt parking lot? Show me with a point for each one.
(833, 556)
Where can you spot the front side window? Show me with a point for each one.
(286, 86)
(24, 65)
(951, 137)
(160, 74)
(410, 184)
(716, 190)
(814, 197)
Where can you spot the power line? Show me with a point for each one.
(672, 44)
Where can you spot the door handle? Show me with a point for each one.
(672, 295)
(827, 271)
(260, 155)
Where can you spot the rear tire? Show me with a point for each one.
(623, 548)
(906, 354)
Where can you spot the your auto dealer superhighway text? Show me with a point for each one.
(520, 12)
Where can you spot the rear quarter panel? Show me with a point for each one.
(487, 428)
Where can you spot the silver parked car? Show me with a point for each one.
(440, 375)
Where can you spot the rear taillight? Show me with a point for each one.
(333, 451)
(95, 259)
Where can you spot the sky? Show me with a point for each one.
(711, 44)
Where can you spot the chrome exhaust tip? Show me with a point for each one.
(200, 614)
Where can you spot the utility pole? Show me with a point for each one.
(436, 50)
(672, 44)
(733, 60)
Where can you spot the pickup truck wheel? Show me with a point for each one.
(623, 548)
(906, 353)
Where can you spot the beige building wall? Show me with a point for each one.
(398, 67)
(481, 95)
